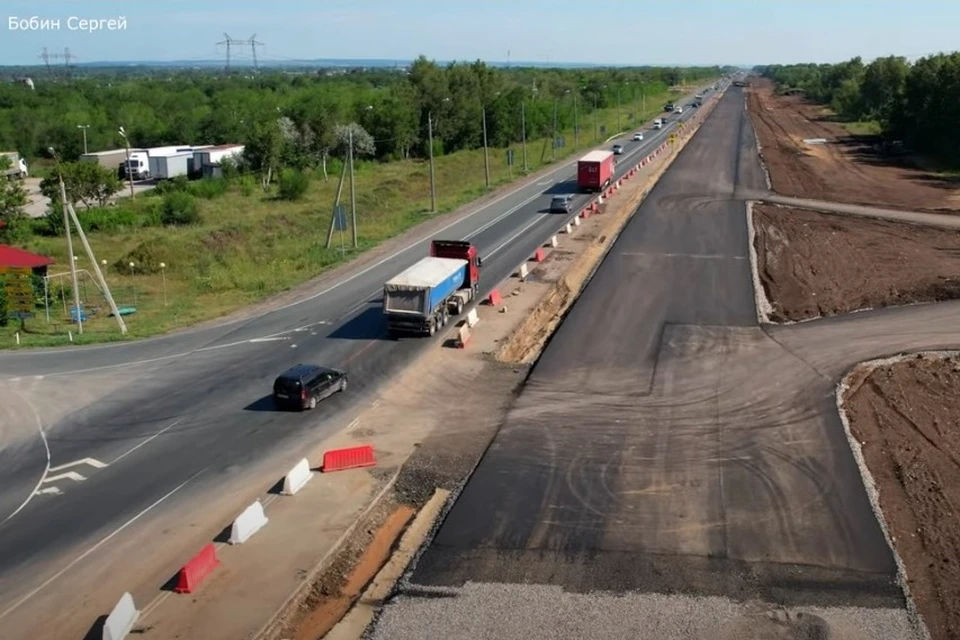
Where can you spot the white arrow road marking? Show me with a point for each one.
(49, 490)
(270, 339)
(73, 475)
(93, 462)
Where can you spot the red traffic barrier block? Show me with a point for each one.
(197, 569)
(494, 298)
(585, 213)
(595, 205)
(349, 458)
(538, 255)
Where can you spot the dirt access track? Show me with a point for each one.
(843, 169)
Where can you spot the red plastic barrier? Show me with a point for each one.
(349, 458)
(585, 213)
(595, 205)
(494, 298)
(539, 255)
(197, 568)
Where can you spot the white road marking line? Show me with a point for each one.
(49, 491)
(353, 424)
(92, 549)
(46, 468)
(72, 475)
(150, 439)
(89, 461)
(154, 604)
(274, 339)
(375, 404)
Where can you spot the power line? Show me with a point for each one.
(253, 48)
(229, 42)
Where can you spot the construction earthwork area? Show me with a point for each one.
(902, 412)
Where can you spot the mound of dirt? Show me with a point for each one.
(817, 264)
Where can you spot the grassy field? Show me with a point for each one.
(250, 245)
(867, 128)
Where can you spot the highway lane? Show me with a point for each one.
(664, 444)
(170, 416)
(490, 225)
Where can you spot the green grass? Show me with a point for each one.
(867, 128)
(251, 245)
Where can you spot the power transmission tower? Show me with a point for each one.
(228, 41)
(46, 59)
(253, 48)
(67, 56)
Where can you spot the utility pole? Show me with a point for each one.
(553, 147)
(523, 132)
(433, 174)
(619, 128)
(84, 127)
(486, 156)
(576, 123)
(353, 191)
(635, 121)
(73, 263)
(596, 129)
(46, 59)
(96, 269)
(126, 144)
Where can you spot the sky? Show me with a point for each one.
(629, 32)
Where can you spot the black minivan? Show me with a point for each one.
(304, 385)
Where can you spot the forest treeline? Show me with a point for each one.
(917, 103)
(392, 106)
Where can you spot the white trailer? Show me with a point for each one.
(170, 165)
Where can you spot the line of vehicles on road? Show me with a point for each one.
(421, 299)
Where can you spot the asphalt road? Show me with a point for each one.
(669, 452)
(152, 415)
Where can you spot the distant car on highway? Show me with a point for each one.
(679, 109)
(304, 385)
(638, 136)
(618, 149)
(561, 204)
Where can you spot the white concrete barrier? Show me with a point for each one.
(523, 272)
(599, 199)
(248, 523)
(576, 221)
(568, 228)
(472, 318)
(554, 242)
(297, 478)
(121, 620)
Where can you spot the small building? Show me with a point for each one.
(12, 257)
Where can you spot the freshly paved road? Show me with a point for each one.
(158, 412)
(671, 453)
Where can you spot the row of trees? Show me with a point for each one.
(918, 103)
(311, 110)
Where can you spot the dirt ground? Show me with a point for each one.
(906, 415)
(845, 168)
(816, 264)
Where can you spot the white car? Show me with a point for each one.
(618, 149)
(638, 136)
(679, 109)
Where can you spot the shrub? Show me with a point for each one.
(293, 184)
(179, 209)
(173, 185)
(208, 188)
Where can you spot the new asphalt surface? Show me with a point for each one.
(152, 415)
(672, 469)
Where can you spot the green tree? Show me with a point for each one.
(85, 182)
(13, 199)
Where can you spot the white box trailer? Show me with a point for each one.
(112, 159)
(171, 165)
(214, 155)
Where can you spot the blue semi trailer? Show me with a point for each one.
(422, 298)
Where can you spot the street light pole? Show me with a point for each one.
(126, 144)
(596, 129)
(433, 180)
(523, 133)
(84, 127)
(553, 153)
(163, 276)
(486, 156)
(576, 124)
(619, 128)
(353, 190)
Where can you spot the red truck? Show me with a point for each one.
(595, 171)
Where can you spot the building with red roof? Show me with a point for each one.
(14, 257)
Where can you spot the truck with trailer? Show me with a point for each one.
(112, 159)
(16, 168)
(595, 171)
(421, 299)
